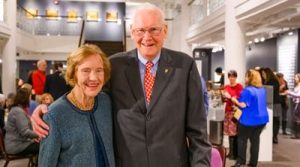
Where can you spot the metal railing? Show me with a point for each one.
(203, 8)
(3, 11)
(43, 25)
(214, 5)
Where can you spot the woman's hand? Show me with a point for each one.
(226, 95)
(284, 93)
(239, 104)
(38, 125)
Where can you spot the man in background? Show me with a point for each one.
(38, 78)
(55, 83)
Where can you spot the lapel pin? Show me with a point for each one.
(166, 70)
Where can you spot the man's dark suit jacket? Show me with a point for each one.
(56, 85)
(156, 136)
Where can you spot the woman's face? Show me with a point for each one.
(232, 79)
(297, 79)
(246, 80)
(90, 75)
(264, 75)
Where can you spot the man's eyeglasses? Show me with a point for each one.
(152, 31)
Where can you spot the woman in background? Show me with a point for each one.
(271, 79)
(283, 86)
(233, 89)
(253, 119)
(19, 137)
(296, 99)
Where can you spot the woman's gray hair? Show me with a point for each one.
(149, 6)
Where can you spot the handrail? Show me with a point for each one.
(81, 41)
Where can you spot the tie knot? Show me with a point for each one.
(149, 65)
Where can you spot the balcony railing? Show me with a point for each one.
(214, 5)
(43, 25)
(202, 8)
(2, 11)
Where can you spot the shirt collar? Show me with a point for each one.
(144, 61)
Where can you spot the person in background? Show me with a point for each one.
(38, 78)
(271, 79)
(2, 111)
(46, 99)
(254, 117)
(9, 101)
(55, 83)
(220, 73)
(32, 103)
(295, 94)
(19, 137)
(283, 86)
(216, 159)
(80, 121)
(19, 83)
(205, 94)
(233, 89)
(157, 101)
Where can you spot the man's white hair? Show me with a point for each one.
(149, 6)
(41, 61)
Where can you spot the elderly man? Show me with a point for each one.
(159, 115)
(38, 78)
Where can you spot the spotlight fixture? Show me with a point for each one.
(256, 40)
(290, 33)
(262, 39)
(56, 2)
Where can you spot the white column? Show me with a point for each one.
(235, 53)
(185, 23)
(235, 58)
(9, 51)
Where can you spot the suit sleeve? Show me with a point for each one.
(196, 124)
(46, 88)
(51, 145)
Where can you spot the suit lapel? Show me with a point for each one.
(162, 78)
(132, 73)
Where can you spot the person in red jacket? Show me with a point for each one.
(233, 89)
(39, 78)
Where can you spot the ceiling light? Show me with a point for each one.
(250, 42)
(262, 39)
(291, 33)
(56, 2)
(256, 40)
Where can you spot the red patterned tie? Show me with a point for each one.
(149, 81)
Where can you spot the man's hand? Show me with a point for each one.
(37, 140)
(38, 125)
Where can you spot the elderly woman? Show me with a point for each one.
(233, 89)
(296, 99)
(80, 121)
(253, 119)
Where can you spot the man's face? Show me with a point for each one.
(148, 33)
(42, 66)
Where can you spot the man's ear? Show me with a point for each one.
(166, 29)
(131, 32)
